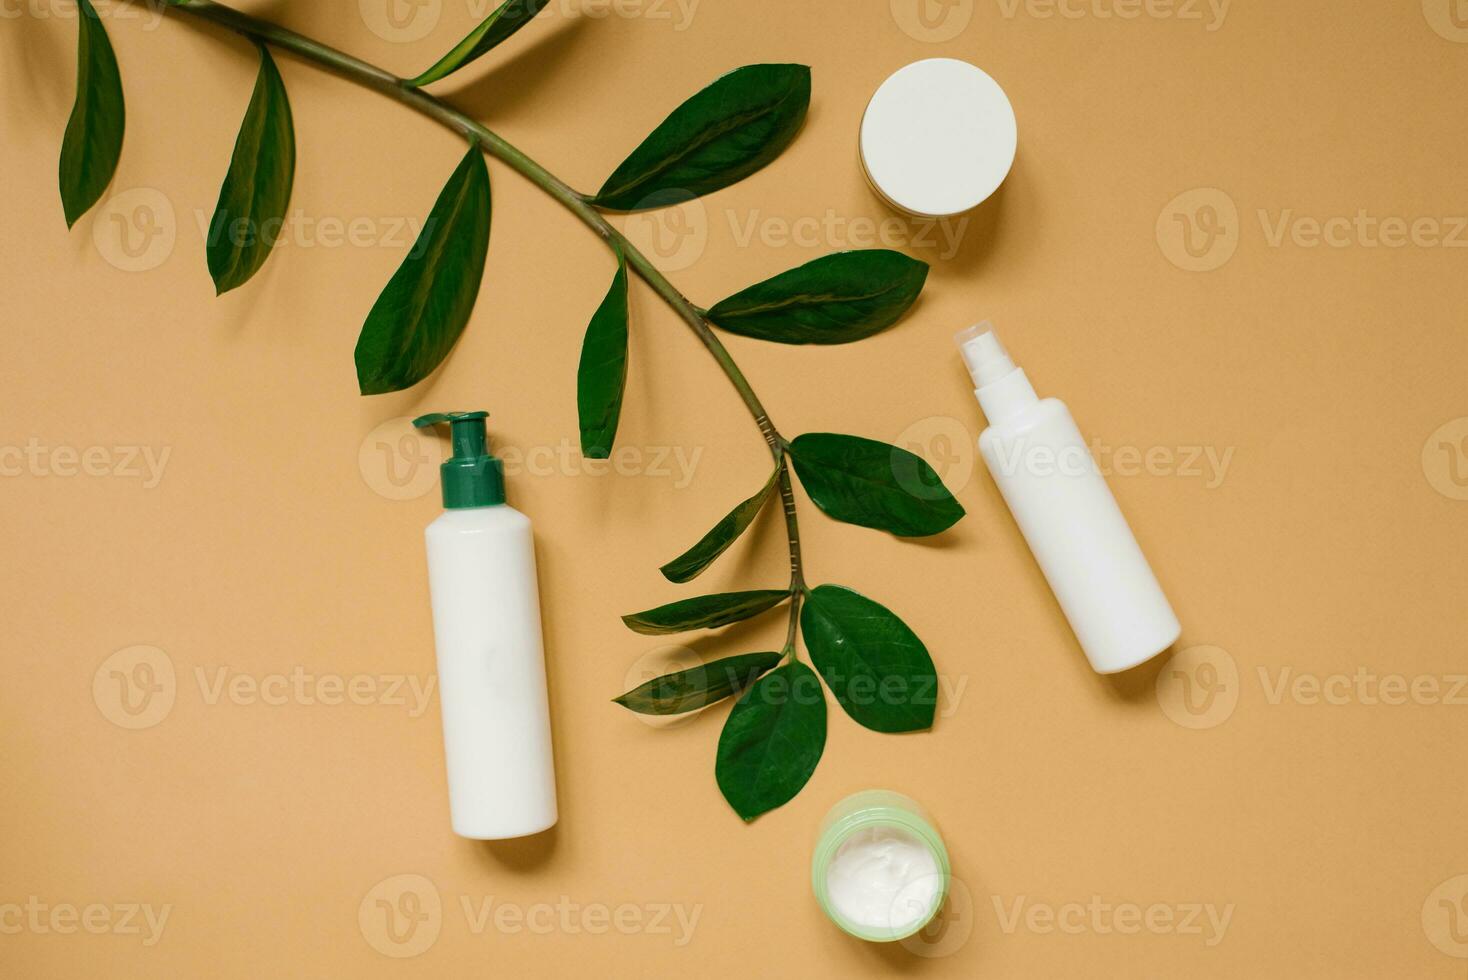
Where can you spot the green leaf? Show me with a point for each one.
(772, 740)
(424, 307)
(834, 299)
(721, 135)
(697, 687)
(873, 484)
(602, 374)
(878, 669)
(257, 188)
(93, 141)
(713, 544)
(705, 611)
(505, 20)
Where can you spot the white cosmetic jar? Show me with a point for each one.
(938, 138)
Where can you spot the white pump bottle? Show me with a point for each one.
(1067, 514)
(486, 628)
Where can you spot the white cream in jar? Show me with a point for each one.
(884, 878)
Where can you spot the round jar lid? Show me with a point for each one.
(938, 137)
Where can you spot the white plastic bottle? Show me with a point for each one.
(491, 665)
(1067, 514)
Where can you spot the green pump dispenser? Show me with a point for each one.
(471, 477)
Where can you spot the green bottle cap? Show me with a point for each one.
(471, 477)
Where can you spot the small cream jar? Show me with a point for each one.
(880, 870)
(938, 138)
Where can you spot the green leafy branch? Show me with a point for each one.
(875, 666)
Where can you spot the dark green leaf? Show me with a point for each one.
(772, 740)
(721, 135)
(697, 687)
(830, 300)
(713, 544)
(256, 190)
(506, 19)
(705, 611)
(602, 374)
(878, 669)
(420, 314)
(862, 481)
(93, 141)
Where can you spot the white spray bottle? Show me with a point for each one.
(1067, 514)
(486, 627)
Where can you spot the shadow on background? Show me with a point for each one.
(1138, 686)
(977, 233)
(519, 854)
(505, 84)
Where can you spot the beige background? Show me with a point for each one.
(270, 554)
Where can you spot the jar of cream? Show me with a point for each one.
(880, 870)
(938, 138)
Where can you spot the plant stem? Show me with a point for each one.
(379, 80)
